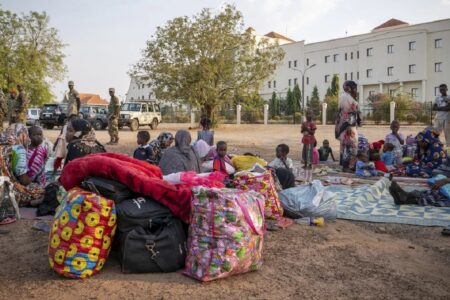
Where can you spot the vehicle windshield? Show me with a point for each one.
(47, 108)
(84, 110)
(131, 107)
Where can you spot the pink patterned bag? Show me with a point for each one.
(262, 183)
(225, 233)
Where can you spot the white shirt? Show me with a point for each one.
(441, 101)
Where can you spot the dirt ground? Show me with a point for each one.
(341, 260)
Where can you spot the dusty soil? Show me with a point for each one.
(341, 260)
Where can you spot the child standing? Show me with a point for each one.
(144, 151)
(37, 155)
(364, 168)
(326, 151)
(388, 156)
(398, 140)
(308, 140)
(222, 162)
(206, 134)
(281, 160)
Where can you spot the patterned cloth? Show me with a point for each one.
(159, 145)
(307, 137)
(225, 234)
(365, 169)
(279, 163)
(349, 147)
(36, 164)
(82, 234)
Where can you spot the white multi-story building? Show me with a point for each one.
(394, 57)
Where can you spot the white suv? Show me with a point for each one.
(135, 114)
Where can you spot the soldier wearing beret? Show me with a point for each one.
(113, 118)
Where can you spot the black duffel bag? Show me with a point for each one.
(151, 239)
(108, 188)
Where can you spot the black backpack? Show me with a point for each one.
(108, 188)
(151, 239)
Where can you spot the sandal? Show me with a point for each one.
(446, 231)
(6, 221)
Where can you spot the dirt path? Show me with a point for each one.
(341, 260)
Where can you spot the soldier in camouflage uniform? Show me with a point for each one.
(113, 118)
(73, 99)
(3, 109)
(21, 106)
(12, 116)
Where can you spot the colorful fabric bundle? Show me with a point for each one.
(81, 234)
(262, 183)
(226, 233)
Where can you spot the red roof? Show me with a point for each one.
(275, 35)
(390, 23)
(92, 99)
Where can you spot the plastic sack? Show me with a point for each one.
(310, 200)
(225, 234)
(262, 183)
(81, 235)
(213, 179)
(445, 189)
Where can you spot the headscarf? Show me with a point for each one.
(201, 148)
(183, 141)
(84, 132)
(163, 138)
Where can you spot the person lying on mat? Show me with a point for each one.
(439, 195)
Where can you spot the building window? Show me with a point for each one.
(390, 49)
(390, 71)
(414, 93)
(289, 82)
(307, 98)
(412, 45)
(438, 43)
(371, 93)
(351, 75)
(335, 57)
(345, 76)
(307, 80)
(351, 55)
(346, 56)
(438, 67)
(357, 75)
(289, 64)
(369, 51)
(437, 92)
(295, 81)
(357, 54)
(327, 58)
(391, 93)
(143, 86)
(274, 84)
(369, 73)
(307, 61)
(295, 64)
(327, 78)
(412, 69)
(268, 84)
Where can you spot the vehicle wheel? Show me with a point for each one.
(134, 125)
(121, 127)
(97, 125)
(154, 124)
(49, 126)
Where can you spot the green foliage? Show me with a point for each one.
(314, 104)
(290, 104)
(274, 106)
(207, 60)
(332, 108)
(253, 109)
(335, 85)
(297, 98)
(30, 54)
(328, 93)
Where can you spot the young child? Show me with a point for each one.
(398, 140)
(37, 155)
(364, 168)
(222, 162)
(144, 151)
(326, 151)
(281, 161)
(374, 156)
(206, 134)
(308, 130)
(388, 156)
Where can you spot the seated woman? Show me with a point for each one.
(164, 141)
(81, 139)
(430, 154)
(14, 173)
(180, 158)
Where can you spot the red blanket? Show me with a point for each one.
(141, 177)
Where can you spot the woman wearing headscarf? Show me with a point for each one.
(158, 146)
(180, 158)
(430, 153)
(346, 121)
(81, 138)
(16, 187)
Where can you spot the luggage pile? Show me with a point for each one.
(125, 204)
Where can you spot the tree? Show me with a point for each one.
(335, 85)
(297, 98)
(206, 60)
(273, 105)
(314, 103)
(30, 54)
(290, 102)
